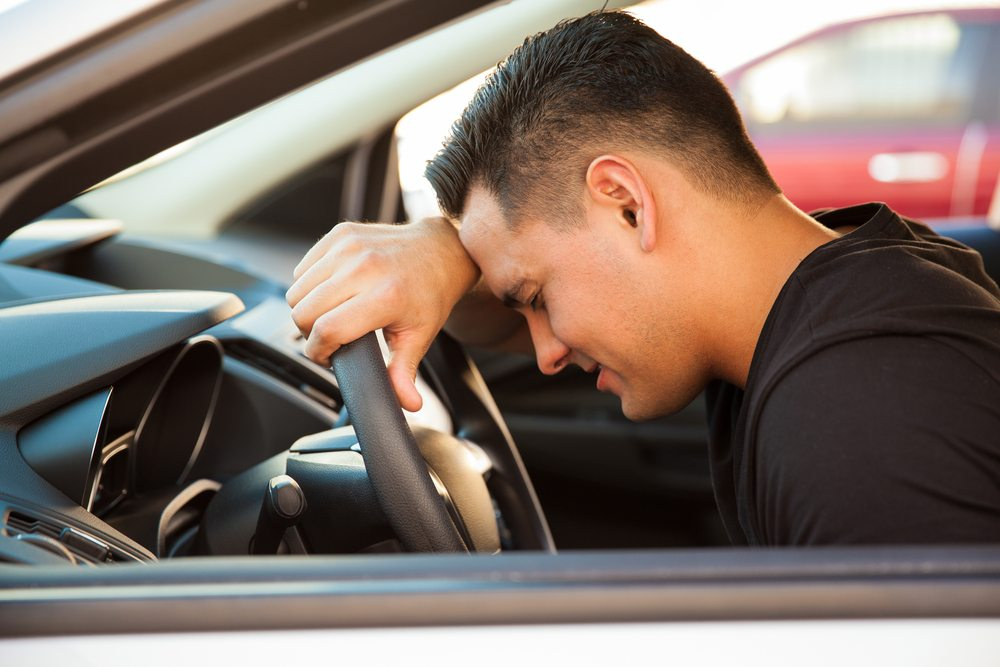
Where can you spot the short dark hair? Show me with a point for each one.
(590, 85)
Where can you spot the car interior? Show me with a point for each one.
(165, 441)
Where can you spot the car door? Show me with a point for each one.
(898, 109)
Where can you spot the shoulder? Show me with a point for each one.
(880, 439)
(888, 259)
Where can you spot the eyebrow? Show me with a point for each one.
(512, 296)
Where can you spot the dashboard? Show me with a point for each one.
(126, 409)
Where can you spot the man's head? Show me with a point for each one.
(601, 83)
(577, 170)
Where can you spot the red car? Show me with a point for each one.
(903, 109)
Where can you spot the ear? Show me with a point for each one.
(614, 183)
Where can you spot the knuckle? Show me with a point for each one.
(291, 296)
(372, 260)
(347, 232)
(348, 244)
(325, 333)
(336, 236)
(338, 230)
(345, 227)
(301, 320)
(393, 291)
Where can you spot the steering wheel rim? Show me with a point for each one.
(398, 473)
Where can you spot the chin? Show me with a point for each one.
(642, 408)
(638, 411)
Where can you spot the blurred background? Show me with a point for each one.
(851, 101)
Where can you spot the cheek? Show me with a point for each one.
(595, 302)
(592, 313)
(567, 314)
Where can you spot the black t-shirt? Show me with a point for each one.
(871, 412)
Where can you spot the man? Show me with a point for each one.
(608, 193)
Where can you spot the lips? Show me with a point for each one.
(601, 378)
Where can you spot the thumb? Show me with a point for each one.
(402, 375)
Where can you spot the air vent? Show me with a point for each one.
(18, 523)
(55, 537)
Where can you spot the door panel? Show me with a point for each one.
(283, 593)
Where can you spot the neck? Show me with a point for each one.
(754, 256)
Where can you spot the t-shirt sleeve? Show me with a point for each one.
(883, 440)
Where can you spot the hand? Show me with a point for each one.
(403, 279)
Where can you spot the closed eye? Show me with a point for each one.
(536, 302)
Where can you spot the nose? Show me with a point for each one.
(551, 353)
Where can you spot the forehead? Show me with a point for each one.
(486, 235)
(506, 258)
(482, 217)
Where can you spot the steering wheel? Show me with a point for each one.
(398, 473)
(395, 467)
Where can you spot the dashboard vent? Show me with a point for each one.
(18, 523)
(55, 537)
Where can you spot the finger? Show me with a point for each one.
(348, 259)
(338, 254)
(324, 298)
(366, 272)
(318, 250)
(345, 323)
(406, 356)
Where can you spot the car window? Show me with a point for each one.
(419, 135)
(305, 207)
(914, 69)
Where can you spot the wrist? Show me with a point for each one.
(464, 274)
